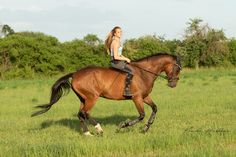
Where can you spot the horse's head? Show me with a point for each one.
(164, 62)
(172, 71)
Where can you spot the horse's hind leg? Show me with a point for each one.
(149, 101)
(96, 124)
(139, 105)
(84, 115)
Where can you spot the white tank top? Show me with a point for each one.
(119, 51)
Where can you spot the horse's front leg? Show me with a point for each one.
(140, 107)
(149, 101)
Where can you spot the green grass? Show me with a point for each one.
(197, 118)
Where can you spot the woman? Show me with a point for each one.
(118, 61)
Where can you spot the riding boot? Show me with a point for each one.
(128, 80)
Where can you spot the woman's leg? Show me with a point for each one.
(128, 80)
(123, 66)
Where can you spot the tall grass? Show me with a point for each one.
(197, 118)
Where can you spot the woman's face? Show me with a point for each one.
(118, 33)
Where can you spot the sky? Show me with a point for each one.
(71, 19)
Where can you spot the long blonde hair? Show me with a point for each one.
(108, 40)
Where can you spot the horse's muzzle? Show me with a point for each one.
(172, 84)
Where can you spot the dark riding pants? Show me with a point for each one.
(121, 65)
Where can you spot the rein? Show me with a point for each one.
(156, 74)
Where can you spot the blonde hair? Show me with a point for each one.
(108, 40)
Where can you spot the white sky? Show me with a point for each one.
(70, 19)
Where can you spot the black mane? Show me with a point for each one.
(156, 55)
(177, 58)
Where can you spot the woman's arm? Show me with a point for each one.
(126, 58)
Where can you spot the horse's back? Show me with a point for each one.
(99, 81)
(97, 69)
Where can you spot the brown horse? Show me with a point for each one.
(90, 83)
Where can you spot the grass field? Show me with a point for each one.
(197, 118)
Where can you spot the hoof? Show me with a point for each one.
(99, 128)
(87, 133)
(123, 125)
(145, 129)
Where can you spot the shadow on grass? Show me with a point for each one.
(74, 124)
(71, 123)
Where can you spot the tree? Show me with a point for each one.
(29, 53)
(144, 46)
(7, 30)
(232, 51)
(216, 52)
(203, 46)
(92, 39)
(80, 54)
(194, 27)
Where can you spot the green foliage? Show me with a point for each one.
(232, 50)
(143, 46)
(172, 45)
(203, 46)
(80, 54)
(32, 54)
(28, 53)
(216, 52)
(92, 39)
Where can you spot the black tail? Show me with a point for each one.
(61, 87)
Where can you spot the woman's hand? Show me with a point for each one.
(128, 60)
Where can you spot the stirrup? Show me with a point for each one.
(127, 94)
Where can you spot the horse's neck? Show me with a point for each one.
(143, 65)
(147, 71)
(155, 67)
(159, 65)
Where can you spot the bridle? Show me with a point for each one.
(170, 79)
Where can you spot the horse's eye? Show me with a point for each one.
(176, 69)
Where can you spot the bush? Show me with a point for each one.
(28, 52)
(232, 51)
(31, 54)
